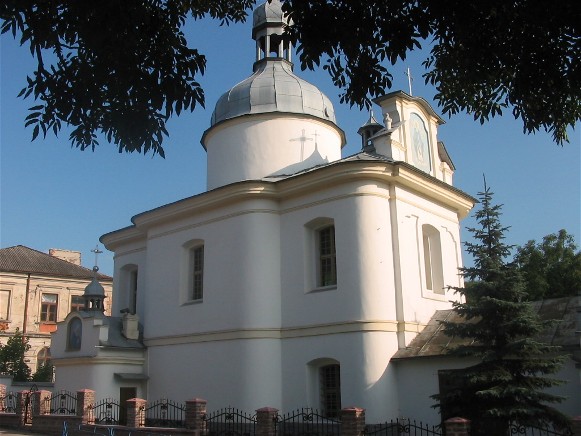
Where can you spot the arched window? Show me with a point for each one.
(43, 357)
(128, 298)
(321, 254)
(432, 253)
(324, 386)
(75, 334)
(192, 271)
(327, 256)
(196, 286)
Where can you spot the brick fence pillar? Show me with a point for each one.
(576, 425)
(2, 397)
(196, 414)
(266, 421)
(352, 421)
(22, 406)
(457, 427)
(85, 403)
(136, 412)
(40, 402)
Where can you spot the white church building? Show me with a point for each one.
(297, 276)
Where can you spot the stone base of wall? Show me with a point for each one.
(127, 431)
(9, 420)
(53, 424)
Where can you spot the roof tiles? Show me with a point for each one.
(21, 259)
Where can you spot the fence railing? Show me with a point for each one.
(8, 403)
(165, 413)
(46, 410)
(109, 411)
(62, 403)
(402, 427)
(516, 429)
(307, 421)
(230, 422)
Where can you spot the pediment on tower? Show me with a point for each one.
(410, 134)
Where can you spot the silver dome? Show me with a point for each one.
(273, 88)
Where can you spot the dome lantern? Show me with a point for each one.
(268, 25)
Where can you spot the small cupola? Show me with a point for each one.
(94, 294)
(367, 130)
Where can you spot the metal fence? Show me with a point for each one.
(402, 427)
(110, 412)
(230, 422)
(8, 403)
(307, 422)
(62, 403)
(516, 429)
(165, 413)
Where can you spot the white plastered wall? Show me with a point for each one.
(254, 147)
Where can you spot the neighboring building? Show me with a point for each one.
(37, 290)
(298, 275)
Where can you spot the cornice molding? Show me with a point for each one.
(376, 326)
(97, 360)
(319, 179)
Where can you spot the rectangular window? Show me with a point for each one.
(197, 262)
(4, 304)
(327, 257)
(48, 308)
(77, 303)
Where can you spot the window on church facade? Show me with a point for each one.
(75, 334)
(128, 288)
(330, 390)
(197, 272)
(133, 291)
(77, 303)
(48, 308)
(432, 253)
(327, 271)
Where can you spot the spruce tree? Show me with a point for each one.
(499, 330)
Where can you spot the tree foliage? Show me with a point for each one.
(122, 68)
(44, 373)
(12, 357)
(485, 58)
(500, 329)
(551, 268)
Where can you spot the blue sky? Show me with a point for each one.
(54, 196)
